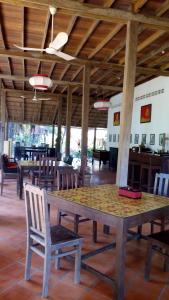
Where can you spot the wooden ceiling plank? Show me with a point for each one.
(8, 59)
(153, 53)
(138, 4)
(23, 42)
(44, 37)
(146, 42)
(155, 35)
(86, 37)
(163, 8)
(95, 12)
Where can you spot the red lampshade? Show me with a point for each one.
(40, 81)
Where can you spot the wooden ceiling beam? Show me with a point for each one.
(59, 82)
(163, 8)
(153, 53)
(155, 35)
(94, 12)
(137, 5)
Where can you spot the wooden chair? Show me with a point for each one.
(69, 179)
(157, 242)
(46, 174)
(50, 242)
(161, 187)
(7, 171)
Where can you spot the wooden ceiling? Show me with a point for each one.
(97, 35)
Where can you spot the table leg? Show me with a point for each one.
(21, 183)
(121, 239)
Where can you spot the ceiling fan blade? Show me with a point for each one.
(59, 41)
(43, 99)
(64, 55)
(29, 49)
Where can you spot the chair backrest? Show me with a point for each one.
(47, 166)
(161, 184)
(37, 216)
(38, 155)
(68, 159)
(67, 179)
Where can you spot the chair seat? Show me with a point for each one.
(61, 234)
(162, 237)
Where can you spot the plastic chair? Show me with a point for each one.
(49, 242)
(69, 179)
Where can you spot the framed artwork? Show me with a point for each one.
(116, 119)
(152, 139)
(161, 139)
(143, 139)
(145, 113)
(114, 138)
(110, 138)
(130, 138)
(136, 138)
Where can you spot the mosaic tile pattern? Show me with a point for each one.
(105, 198)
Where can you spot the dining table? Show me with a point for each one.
(24, 166)
(102, 203)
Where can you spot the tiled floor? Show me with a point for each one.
(12, 259)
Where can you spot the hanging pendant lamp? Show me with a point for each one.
(102, 104)
(40, 82)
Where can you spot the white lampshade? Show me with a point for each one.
(102, 104)
(40, 82)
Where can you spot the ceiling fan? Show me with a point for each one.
(35, 98)
(55, 44)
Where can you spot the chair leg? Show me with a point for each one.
(59, 217)
(148, 261)
(57, 260)
(77, 265)
(152, 227)
(46, 272)
(28, 259)
(76, 223)
(2, 183)
(94, 231)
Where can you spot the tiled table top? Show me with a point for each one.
(105, 198)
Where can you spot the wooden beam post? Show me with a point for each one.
(3, 118)
(127, 103)
(59, 121)
(53, 133)
(68, 120)
(85, 117)
(94, 139)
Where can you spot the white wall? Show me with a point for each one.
(155, 92)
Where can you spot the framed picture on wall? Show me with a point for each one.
(116, 118)
(152, 139)
(114, 138)
(130, 138)
(145, 113)
(143, 140)
(110, 138)
(161, 139)
(136, 138)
